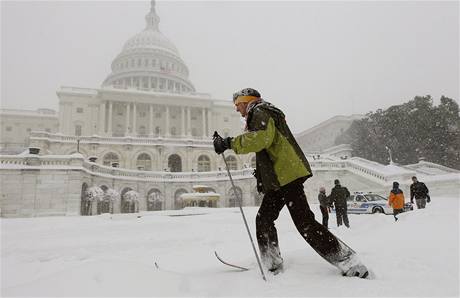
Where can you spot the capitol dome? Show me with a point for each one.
(150, 61)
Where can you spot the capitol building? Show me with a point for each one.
(143, 141)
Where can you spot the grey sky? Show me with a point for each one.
(312, 59)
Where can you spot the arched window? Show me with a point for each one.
(110, 158)
(154, 200)
(233, 200)
(175, 163)
(253, 162)
(231, 162)
(144, 162)
(178, 201)
(204, 164)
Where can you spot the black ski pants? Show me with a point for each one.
(325, 214)
(293, 196)
(342, 215)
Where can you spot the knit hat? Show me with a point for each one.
(245, 95)
(336, 182)
(395, 184)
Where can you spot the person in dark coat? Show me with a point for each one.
(396, 200)
(324, 205)
(339, 197)
(419, 191)
(281, 170)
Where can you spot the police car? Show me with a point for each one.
(361, 202)
(370, 203)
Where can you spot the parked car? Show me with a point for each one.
(370, 203)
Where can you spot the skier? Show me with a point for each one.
(396, 200)
(420, 192)
(339, 197)
(281, 170)
(324, 205)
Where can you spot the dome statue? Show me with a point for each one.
(149, 61)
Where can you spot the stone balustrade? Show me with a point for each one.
(160, 141)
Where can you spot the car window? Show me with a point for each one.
(350, 198)
(360, 199)
(374, 197)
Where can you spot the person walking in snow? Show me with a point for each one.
(324, 205)
(396, 200)
(339, 197)
(281, 170)
(419, 191)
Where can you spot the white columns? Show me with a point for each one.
(208, 114)
(203, 117)
(151, 128)
(182, 132)
(127, 119)
(167, 134)
(109, 129)
(189, 122)
(102, 119)
(134, 129)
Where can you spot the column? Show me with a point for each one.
(134, 129)
(151, 128)
(182, 131)
(203, 118)
(101, 119)
(109, 132)
(167, 122)
(209, 114)
(189, 122)
(127, 120)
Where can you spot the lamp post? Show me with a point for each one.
(389, 153)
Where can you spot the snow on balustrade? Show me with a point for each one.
(147, 140)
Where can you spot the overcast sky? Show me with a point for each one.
(312, 59)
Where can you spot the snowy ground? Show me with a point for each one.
(104, 256)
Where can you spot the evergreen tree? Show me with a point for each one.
(416, 130)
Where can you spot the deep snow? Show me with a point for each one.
(114, 255)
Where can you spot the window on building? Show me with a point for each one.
(29, 129)
(48, 130)
(110, 158)
(158, 115)
(78, 130)
(79, 110)
(144, 162)
(231, 162)
(142, 130)
(9, 128)
(142, 114)
(175, 163)
(204, 164)
(225, 119)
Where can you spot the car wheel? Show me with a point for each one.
(377, 210)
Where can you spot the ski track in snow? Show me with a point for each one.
(115, 255)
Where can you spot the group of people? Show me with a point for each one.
(338, 199)
(396, 200)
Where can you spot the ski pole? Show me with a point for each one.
(240, 203)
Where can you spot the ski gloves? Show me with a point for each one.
(221, 144)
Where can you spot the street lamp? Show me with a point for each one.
(389, 153)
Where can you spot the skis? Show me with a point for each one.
(231, 265)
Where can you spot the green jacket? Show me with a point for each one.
(279, 159)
